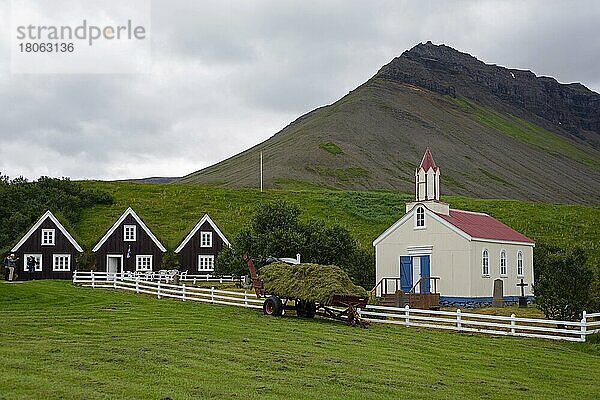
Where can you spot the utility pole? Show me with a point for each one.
(261, 172)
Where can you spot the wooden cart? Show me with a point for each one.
(339, 307)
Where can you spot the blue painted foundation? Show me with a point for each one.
(470, 302)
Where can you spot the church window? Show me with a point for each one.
(520, 263)
(503, 271)
(420, 223)
(485, 263)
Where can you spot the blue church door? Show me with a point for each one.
(411, 270)
(406, 276)
(425, 272)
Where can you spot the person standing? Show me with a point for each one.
(31, 263)
(12, 263)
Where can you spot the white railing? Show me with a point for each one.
(161, 289)
(575, 331)
(481, 323)
(208, 278)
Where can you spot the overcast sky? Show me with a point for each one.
(226, 75)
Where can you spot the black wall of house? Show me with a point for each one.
(33, 245)
(115, 245)
(188, 256)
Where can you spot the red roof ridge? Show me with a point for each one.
(469, 212)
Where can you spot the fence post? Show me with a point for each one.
(115, 282)
(158, 289)
(458, 319)
(137, 284)
(583, 326)
(194, 280)
(406, 315)
(93, 282)
(212, 294)
(512, 324)
(206, 277)
(75, 276)
(183, 290)
(245, 298)
(221, 279)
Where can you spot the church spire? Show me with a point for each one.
(427, 179)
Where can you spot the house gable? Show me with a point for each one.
(124, 220)
(409, 217)
(46, 221)
(196, 254)
(204, 222)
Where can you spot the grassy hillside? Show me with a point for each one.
(58, 341)
(374, 137)
(172, 210)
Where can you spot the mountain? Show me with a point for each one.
(495, 133)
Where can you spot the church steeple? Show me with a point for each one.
(427, 179)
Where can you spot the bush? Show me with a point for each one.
(24, 202)
(562, 282)
(276, 230)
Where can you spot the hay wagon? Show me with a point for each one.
(338, 307)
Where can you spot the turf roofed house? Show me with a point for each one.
(198, 251)
(129, 245)
(467, 250)
(53, 248)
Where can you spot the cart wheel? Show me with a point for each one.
(300, 308)
(305, 308)
(273, 306)
(310, 309)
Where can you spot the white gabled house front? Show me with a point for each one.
(466, 250)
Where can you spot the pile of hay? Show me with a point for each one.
(313, 282)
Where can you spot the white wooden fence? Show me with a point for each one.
(481, 323)
(450, 320)
(161, 289)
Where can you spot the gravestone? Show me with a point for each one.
(498, 300)
(522, 298)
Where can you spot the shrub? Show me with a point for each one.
(562, 282)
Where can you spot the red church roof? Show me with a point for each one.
(427, 161)
(482, 226)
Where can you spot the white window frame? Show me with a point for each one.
(520, 269)
(203, 236)
(51, 236)
(211, 262)
(503, 263)
(55, 257)
(420, 217)
(139, 260)
(485, 263)
(129, 238)
(38, 256)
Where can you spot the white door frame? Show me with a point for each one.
(119, 256)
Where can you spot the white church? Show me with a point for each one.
(464, 251)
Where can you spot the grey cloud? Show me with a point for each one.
(227, 75)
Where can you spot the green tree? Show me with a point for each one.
(562, 282)
(277, 230)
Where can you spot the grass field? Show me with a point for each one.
(172, 210)
(67, 342)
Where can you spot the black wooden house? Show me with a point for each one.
(53, 248)
(197, 252)
(129, 245)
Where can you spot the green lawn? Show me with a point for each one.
(62, 341)
(172, 210)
